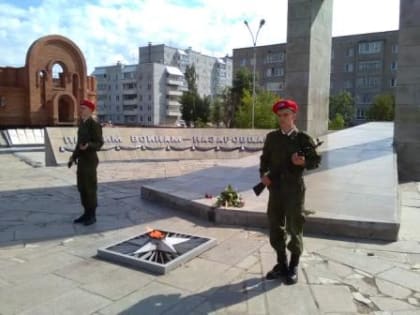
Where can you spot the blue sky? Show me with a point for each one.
(108, 31)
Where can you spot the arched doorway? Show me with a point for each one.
(65, 109)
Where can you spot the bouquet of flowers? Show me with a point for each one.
(229, 198)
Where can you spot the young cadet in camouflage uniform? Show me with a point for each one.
(89, 140)
(281, 170)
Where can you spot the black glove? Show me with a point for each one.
(70, 163)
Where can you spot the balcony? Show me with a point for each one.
(129, 91)
(173, 103)
(173, 111)
(130, 111)
(130, 102)
(173, 81)
(174, 92)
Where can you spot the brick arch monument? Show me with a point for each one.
(48, 89)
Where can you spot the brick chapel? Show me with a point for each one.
(48, 89)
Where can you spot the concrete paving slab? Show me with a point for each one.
(33, 268)
(286, 300)
(391, 305)
(392, 290)
(405, 278)
(334, 298)
(232, 251)
(363, 262)
(118, 283)
(73, 302)
(194, 278)
(35, 292)
(154, 298)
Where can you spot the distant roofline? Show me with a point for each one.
(334, 37)
(122, 64)
(185, 49)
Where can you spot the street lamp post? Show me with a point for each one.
(254, 42)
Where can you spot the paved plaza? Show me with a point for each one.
(48, 265)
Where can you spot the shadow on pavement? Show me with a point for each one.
(212, 300)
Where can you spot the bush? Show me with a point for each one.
(337, 123)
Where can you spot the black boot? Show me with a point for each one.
(90, 217)
(80, 219)
(292, 275)
(89, 221)
(279, 270)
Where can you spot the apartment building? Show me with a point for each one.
(364, 65)
(148, 93)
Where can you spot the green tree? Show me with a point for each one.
(337, 123)
(343, 104)
(242, 82)
(228, 111)
(191, 78)
(383, 108)
(203, 109)
(216, 112)
(188, 111)
(264, 117)
(193, 107)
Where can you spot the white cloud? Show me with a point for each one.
(108, 31)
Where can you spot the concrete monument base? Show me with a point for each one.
(353, 194)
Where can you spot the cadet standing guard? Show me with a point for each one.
(89, 141)
(281, 171)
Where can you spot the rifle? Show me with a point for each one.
(308, 151)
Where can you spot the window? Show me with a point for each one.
(348, 67)
(395, 48)
(129, 97)
(275, 72)
(274, 57)
(58, 75)
(348, 84)
(361, 113)
(368, 82)
(127, 86)
(393, 82)
(367, 98)
(278, 72)
(150, 97)
(370, 47)
(369, 66)
(129, 107)
(149, 118)
(117, 98)
(350, 52)
(394, 66)
(128, 75)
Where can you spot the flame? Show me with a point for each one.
(156, 234)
